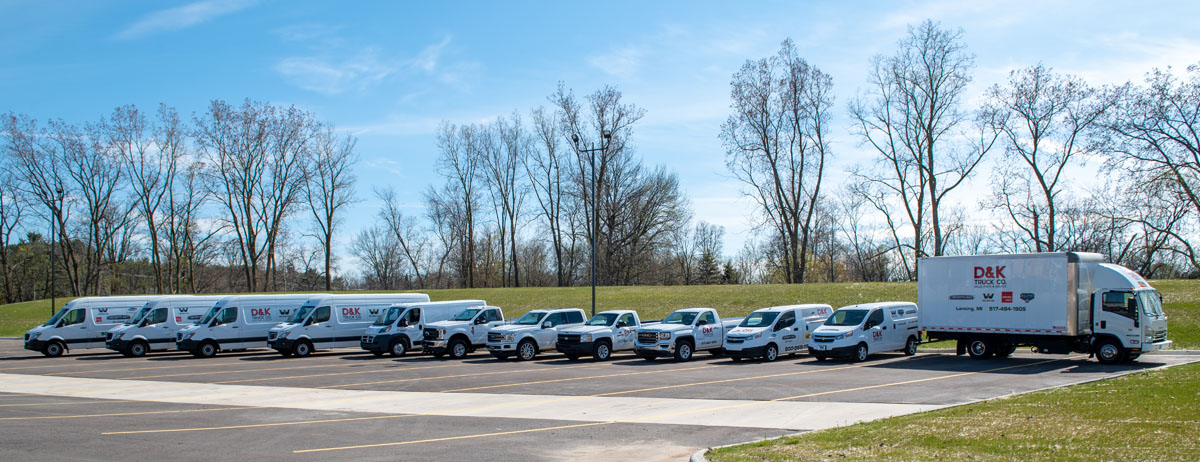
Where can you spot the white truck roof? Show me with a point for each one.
(867, 306)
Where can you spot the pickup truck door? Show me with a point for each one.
(623, 333)
(546, 338)
(711, 334)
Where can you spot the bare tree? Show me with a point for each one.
(776, 144)
(405, 231)
(380, 254)
(501, 164)
(12, 208)
(330, 188)
(548, 167)
(459, 162)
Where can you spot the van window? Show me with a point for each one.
(390, 316)
(573, 317)
(228, 315)
(759, 319)
(73, 317)
(709, 318)
(158, 316)
(787, 320)
(875, 319)
(321, 315)
(413, 316)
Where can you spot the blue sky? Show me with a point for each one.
(390, 72)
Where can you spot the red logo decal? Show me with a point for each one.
(989, 272)
(258, 312)
(179, 319)
(349, 311)
(1005, 297)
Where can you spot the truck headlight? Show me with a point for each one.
(758, 335)
(587, 338)
(842, 335)
(441, 334)
(385, 329)
(664, 335)
(189, 335)
(509, 337)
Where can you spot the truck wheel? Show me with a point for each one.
(137, 349)
(398, 348)
(571, 356)
(861, 353)
(458, 349)
(601, 352)
(910, 346)
(1110, 352)
(683, 351)
(526, 350)
(979, 349)
(207, 349)
(1004, 350)
(53, 349)
(302, 348)
(771, 353)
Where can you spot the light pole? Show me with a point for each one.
(59, 198)
(606, 136)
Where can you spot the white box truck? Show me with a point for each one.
(769, 332)
(155, 326)
(401, 328)
(239, 322)
(82, 323)
(332, 321)
(1053, 302)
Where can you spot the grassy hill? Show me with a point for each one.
(1182, 301)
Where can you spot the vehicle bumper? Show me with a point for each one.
(35, 344)
(381, 343)
(747, 352)
(502, 347)
(281, 344)
(845, 351)
(660, 350)
(578, 349)
(1163, 345)
(435, 346)
(186, 344)
(116, 344)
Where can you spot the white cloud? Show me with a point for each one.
(332, 72)
(622, 63)
(181, 17)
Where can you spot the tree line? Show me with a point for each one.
(251, 196)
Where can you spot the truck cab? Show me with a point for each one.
(532, 333)
(769, 332)
(400, 328)
(1127, 316)
(857, 331)
(600, 336)
(462, 334)
(682, 333)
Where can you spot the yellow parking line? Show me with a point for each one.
(278, 424)
(453, 438)
(368, 371)
(458, 376)
(590, 377)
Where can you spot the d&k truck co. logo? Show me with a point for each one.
(990, 277)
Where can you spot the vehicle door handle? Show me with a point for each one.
(1103, 324)
(233, 327)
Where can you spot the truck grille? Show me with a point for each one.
(495, 337)
(272, 335)
(108, 335)
(568, 338)
(647, 337)
(822, 339)
(368, 339)
(178, 336)
(430, 334)
(734, 339)
(26, 337)
(1161, 336)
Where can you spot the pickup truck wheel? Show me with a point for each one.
(910, 346)
(979, 349)
(601, 352)
(526, 350)
(458, 349)
(860, 353)
(398, 348)
(53, 349)
(683, 351)
(302, 348)
(207, 349)
(1110, 352)
(771, 353)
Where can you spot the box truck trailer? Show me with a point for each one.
(1056, 303)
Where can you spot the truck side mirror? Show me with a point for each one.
(701, 323)
(622, 324)
(547, 325)
(481, 320)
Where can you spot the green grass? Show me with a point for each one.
(654, 302)
(1142, 416)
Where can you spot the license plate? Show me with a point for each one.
(820, 347)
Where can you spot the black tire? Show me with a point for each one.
(861, 353)
(1004, 350)
(398, 348)
(979, 348)
(206, 349)
(302, 348)
(137, 349)
(820, 358)
(526, 350)
(499, 355)
(53, 349)
(1109, 351)
(571, 356)
(910, 346)
(601, 351)
(458, 349)
(770, 353)
(683, 351)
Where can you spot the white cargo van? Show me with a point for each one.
(333, 321)
(769, 332)
(82, 323)
(400, 328)
(239, 322)
(858, 331)
(155, 326)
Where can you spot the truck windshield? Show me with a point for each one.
(602, 319)
(141, 314)
(301, 314)
(389, 316)
(467, 314)
(759, 319)
(531, 318)
(212, 312)
(54, 319)
(846, 318)
(1150, 304)
(681, 317)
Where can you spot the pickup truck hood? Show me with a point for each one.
(746, 330)
(513, 328)
(665, 328)
(448, 324)
(588, 330)
(834, 330)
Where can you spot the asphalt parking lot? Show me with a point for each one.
(344, 404)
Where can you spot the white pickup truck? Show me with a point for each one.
(606, 332)
(463, 334)
(535, 332)
(682, 333)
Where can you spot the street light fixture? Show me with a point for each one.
(606, 136)
(59, 198)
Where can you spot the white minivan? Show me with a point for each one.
(770, 332)
(857, 331)
(400, 328)
(82, 323)
(155, 326)
(332, 321)
(239, 322)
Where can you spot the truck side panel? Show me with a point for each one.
(1021, 294)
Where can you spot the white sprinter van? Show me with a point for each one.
(400, 328)
(82, 323)
(239, 322)
(769, 332)
(333, 321)
(858, 331)
(155, 326)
